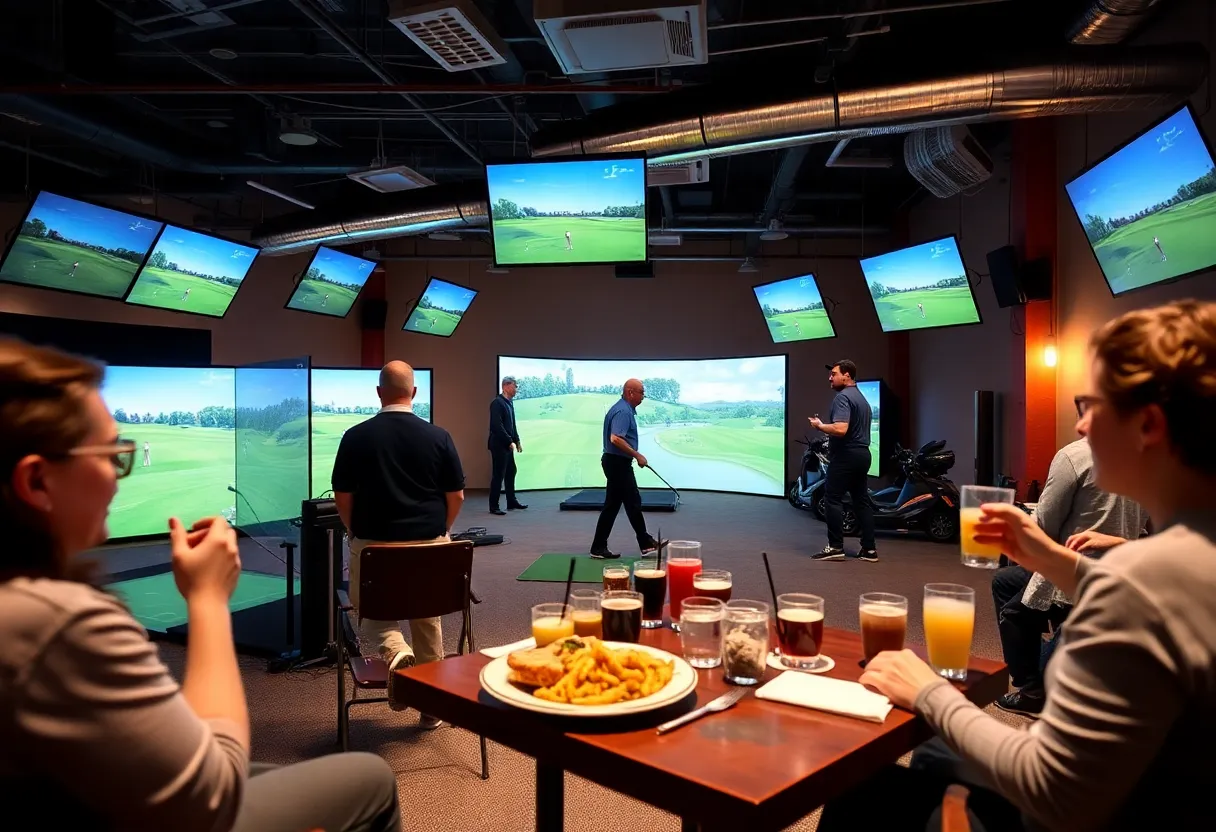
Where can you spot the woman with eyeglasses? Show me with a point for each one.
(94, 732)
(1128, 728)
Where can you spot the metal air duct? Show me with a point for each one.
(1110, 21)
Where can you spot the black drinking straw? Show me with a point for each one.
(658, 563)
(569, 580)
(773, 589)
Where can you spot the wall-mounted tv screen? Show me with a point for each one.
(75, 246)
(589, 210)
(1147, 208)
(714, 424)
(192, 272)
(343, 398)
(794, 310)
(921, 287)
(331, 283)
(440, 309)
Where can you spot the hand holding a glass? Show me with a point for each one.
(1014, 532)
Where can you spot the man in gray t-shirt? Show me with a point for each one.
(848, 432)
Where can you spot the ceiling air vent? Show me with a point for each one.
(390, 180)
(946, 160)
(686, 173)
(453, 32)
(611, 35)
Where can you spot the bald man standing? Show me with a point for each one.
(397, 479)
(620, 452)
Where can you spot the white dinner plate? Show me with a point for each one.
(683, 681)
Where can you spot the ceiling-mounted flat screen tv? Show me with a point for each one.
(331, 283)
(76, 246)
(794, 310)
(921, 287)
(440, 309)
(189, 271)
(564, 211)
(1147, 208)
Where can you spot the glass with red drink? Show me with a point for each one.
(683, 562)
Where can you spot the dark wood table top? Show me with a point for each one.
(762, 763)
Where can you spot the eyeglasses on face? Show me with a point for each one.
(121, 454)
(1084, 404)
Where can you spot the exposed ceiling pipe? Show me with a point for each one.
(780, 196)
(837, 159)
(1110, 21)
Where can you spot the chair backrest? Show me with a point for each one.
(399, 582)
(954, 810)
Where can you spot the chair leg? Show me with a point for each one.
(343, 713)
(485, 760)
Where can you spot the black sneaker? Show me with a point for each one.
(868, 555)
(653, 546)
(517, 507)
(1021, 703)
(829, 553)
(605, 555)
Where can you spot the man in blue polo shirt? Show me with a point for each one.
(620, 452)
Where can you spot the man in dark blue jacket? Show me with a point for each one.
(504, 444)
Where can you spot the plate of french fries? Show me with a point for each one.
(589, 677)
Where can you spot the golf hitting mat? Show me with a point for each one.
(592, 499)
(554, 567)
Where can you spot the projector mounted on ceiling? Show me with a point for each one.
(612, 35)
(388, 180)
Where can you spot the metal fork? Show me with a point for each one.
(726, 700)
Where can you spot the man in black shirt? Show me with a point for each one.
(397, 479)
(848, 431)
(503, 444)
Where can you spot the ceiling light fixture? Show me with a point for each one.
(774, 232)
(216, 123)
(747, 266)
(222, 54)
(266, 189)
(297, 132)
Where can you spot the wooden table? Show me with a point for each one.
(758, 766)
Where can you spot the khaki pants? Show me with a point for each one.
(427, 633)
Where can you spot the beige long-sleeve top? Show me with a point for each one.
(94, 731)
(1127, 733)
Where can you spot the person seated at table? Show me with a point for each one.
(1126, 733)
(397, 479)
(94, 731)
(1072, 510)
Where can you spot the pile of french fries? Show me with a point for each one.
(596, 675)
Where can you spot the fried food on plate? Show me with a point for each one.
(582, 671)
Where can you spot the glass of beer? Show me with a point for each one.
(650, 579)
(683, 562)
(616, 578)
(588, 619)
(884, 622)
(949, 622)
(981, 556)
(712, 583)
(800, 630)
(622, 611)
(701, 631)
(551, 622)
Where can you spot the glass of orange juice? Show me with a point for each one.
(551, 622)
(981, 556)
(949, 623)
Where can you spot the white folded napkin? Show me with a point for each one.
(498, 652)
(822, 693)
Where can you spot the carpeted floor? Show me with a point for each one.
(293, 714)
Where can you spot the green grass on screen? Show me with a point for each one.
(48, 263)
(272, 471)
(432, 322)
(592, 240)
(942, 307)
(310, 296)
(156, 603)
(167, 290)
(1130, 260)
(800, 326)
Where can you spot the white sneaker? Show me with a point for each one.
(401, 662)
(426, 722)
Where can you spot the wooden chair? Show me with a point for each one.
(397, 583)
(954, 810)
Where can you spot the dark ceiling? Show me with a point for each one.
(164, 100)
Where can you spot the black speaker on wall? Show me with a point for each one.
(1015, 283)
(985, 437)
(373, 312)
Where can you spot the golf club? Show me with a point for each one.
(665, 482)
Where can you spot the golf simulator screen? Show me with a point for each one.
(440, 309)
(342, 399)
(192, 272)
(590, 210)
(793, 310)
(872, 390)
(921, 287)
(331, 283)
(714, 424)
(74, 246)
(1147, 208)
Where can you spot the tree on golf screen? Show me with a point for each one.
(342, 399)
(440, 309)
(78, 247)
(921, 287)
(585, 211)
(793, 309)
(192, 272)
(331, 283)
(714, 424)
(1147, 208)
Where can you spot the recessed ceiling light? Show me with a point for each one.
(216, 123)
(219, 53)
(297, 131)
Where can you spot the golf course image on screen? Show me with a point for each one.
(331, 283)
(342, 399)
(1148, 209)
(182, 421)
(872, 390)
(586, 211)
(440, 308)
(793, 309)
(921, 287)
(77, 247)
(192, 272)
(713, 424)
(272, 433)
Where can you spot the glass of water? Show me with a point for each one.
(701, 631)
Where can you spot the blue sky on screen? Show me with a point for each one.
(263, 386)
(204, 254)
(357, 388)
(708, 380)
(795, 293)
(91, 224)
(165, 389)
(569, 186)
(344, 268)
(448, 296)
(870, 389)
(1146, 172)
(921, 265)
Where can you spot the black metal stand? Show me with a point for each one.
(290, 628)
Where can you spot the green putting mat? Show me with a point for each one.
(156, 603)
(555, 567)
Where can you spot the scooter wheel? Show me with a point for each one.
(794, 498)
(942, 525)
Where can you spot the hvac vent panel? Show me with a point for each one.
(455, 34)
(622, 35)
(946, 160)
